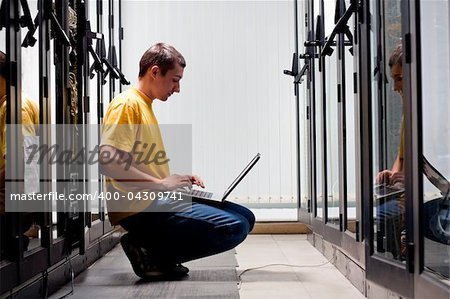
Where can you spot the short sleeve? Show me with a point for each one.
(120, 127)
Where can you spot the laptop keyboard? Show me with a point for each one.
(199, 193)
(383, 190)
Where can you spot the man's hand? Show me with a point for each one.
(383, 176)
(397, 178)
(391, 178)
(176, 181)
(195, 180)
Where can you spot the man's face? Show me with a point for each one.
(397, 76)
(165, 86)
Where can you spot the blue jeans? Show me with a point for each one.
(178, 237)
(433, 209)
(390, 224)
(389, 210)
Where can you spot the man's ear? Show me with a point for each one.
(154, 70)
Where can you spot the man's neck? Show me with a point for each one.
(144, 89)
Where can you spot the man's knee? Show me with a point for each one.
(251, 221)
(237, 232)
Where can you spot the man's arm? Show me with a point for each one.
(117, 167)
(397, 175)
(398, 165)
(394, 175)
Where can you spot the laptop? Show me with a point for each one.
(432, 174)
(385, 191)
(220, 197)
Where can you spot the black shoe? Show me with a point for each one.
(134, 254)
(154, 272)
(179, 270)
(147, 269)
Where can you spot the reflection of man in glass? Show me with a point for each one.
(390, 213)
(30, 118)
(395, 175)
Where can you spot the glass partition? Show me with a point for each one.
(350, 129)
(387, 96)
(435, 136)
(332, 140)
(303, 103)
(30, 114)
(319, 121)
(332, 123)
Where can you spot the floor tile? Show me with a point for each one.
(314, 278)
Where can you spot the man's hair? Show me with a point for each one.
(396, 56)
(2, 64)
(162, 55)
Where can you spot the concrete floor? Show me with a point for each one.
(112, 276)
(308, 281)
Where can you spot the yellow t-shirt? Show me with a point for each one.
(131, 126)
(30, 119)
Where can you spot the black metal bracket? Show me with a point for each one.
(111, 63)
(294, 69)
(294, 72)
(100, 58)
(25, 20)
(48, 14)
(110, 69)
(300, 75)
(319, 35)
(341, 27)
(97, 65)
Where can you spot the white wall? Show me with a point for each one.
(233, 92)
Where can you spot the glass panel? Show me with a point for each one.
(332, 131)
(332, 140)
(31, 222)
(93, 105)
(319, 128)
(319, 147)
(436, 135)
(107, 95)
(350, 122)
(303, 102)
(30, 98)
(387, 87)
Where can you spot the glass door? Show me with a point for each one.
(388, 262)
(335, 120)
(433, 252)
(302, 87)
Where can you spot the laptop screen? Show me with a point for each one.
(435, 177)
(241, 175)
